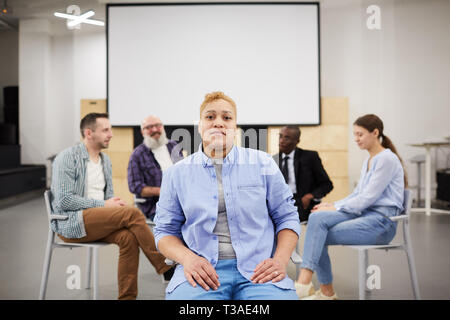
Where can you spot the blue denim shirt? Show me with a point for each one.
(258, 201)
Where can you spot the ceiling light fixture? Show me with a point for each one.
(81, 18)
(78, 19)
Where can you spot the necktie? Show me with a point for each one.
(284, 169)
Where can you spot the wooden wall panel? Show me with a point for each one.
(335, 111)
(333, 137)
(119, 151)
(311, 138)
(238, 138)
(335, 163)
(92, 105)
(339, 191)
(120, 186)
(119, 162)
(122, 140)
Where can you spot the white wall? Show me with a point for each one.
(89, 69)
(56, 71)
(34, 91)
(401, 72)
(62, 105)
(72, 67)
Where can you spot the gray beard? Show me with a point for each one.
(152, 143)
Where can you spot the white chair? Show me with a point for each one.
(137, 200)
(296, 257)
(151, 224)
(363, 256)
(92, 253)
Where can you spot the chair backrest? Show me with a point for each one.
(48, 203)
(407, 202)
(138, 200)
(48, 197)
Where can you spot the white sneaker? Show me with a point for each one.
(320, 296)
(304, 290)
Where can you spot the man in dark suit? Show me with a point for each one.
(303, 171)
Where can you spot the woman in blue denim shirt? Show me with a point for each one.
(227, 216)
(362, 218)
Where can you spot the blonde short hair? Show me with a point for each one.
(217, 95)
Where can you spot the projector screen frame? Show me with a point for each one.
(316, 3)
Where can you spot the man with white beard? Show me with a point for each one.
(148, 161)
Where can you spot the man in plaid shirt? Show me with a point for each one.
(82, 190)
(148, 161)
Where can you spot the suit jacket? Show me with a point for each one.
(310, 176)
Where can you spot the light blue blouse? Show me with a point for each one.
(382, 185)
(258, 201)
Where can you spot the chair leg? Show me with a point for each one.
(411, 263)
(297, 266)
(88, 268)
(419, 175)
(46, 267)
(95, 258)
(297, 249)
(362, 267)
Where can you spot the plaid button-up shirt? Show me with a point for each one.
(69, 181)
(144, 170)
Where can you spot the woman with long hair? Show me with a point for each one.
(362, 218)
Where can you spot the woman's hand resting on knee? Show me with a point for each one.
(324, 206)
(198, 270)
(269, 269)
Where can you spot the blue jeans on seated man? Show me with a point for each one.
(372, 227)
(233, 286)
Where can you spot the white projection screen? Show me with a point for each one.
(164, 58)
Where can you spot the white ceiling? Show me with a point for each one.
(25, 9)
(44, 9)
